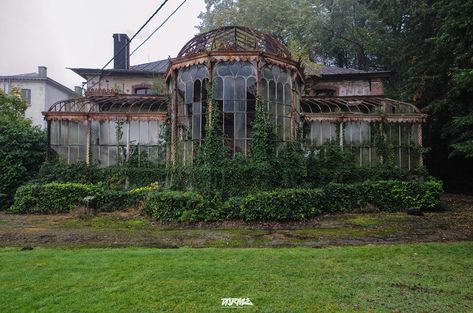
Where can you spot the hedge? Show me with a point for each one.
(51, 198)
(295, 204)
(174, 206)
(277, 205)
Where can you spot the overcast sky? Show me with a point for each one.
(65, 33)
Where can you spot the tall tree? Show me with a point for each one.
(22, 149)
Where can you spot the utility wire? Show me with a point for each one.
(151, 35)
(128, 44)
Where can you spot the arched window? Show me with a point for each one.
(276, 92)
(192, 101)
(235, 94)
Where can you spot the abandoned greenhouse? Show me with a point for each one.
(231, 67)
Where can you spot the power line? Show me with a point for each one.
(151, 35)
(128, 43)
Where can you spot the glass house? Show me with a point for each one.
(234, 66)
(230, 67)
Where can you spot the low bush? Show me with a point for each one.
(295, 204)
(113, 200)
(394, 195)
(117, 177)
(282, 205)
(51, 198)
(174, 206)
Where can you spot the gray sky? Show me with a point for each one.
(66, 33)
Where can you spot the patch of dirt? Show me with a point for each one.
(125, 229)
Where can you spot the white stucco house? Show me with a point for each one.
(38, 90)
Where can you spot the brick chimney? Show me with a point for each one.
(42, 71)
(121, 51)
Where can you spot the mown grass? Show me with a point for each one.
(406, 278)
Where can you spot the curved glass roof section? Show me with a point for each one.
(234, 38)
(112, 104)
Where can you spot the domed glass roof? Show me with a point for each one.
(234, 38)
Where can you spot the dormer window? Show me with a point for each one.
(325, 92)
(143, 91)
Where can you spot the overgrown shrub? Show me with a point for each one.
(341, 197)
(174, 206)
(51, 198)
(282, 205)
(23, 148)
(394, 195)
(294, 204)
(117, 177)
(114, 200)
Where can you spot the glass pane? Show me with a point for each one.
(326, 131)
(240, 146)
(197, 89)
(414, 133)
(405, 134)
(279, 127)
(240, 106)
(73, 133)
(250, 118)
(405, 158)
(280, 93)
(153, 132)
(394, 134)
(264, 90)
(414, 158)
(228, 125)
(228, 94)
(356, 134)
(287, 128)
(374, 157)
(196, 127)
(205, 86)
(356, 153)
(64, 132)
(287, 94)
(202, 72)
(55, 133)
(347, 133)
(365, 133)
(251, 88)
(272, 91)
(219, 88)
(240, 89)
(223, 70)
(104, 133)
(189, 88)
(267, 73)
(82, 133)
(365, 157)
(144, 132)
(251, 106)
(196, 108)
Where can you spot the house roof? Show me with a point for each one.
(159, 66)
(152, 68)
(340, 72)
(37, 77)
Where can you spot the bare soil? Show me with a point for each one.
(131, 229)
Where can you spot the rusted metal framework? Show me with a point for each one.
(234, 38)
(354, 122)
(230, 67)
(362, 108)
(107, 129)
(236, 65)
(109, 108)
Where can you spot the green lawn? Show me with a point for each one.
(405, 278)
